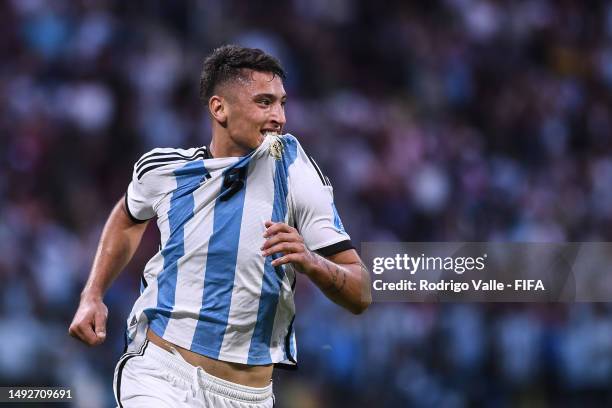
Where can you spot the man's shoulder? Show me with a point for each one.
(303, 164)
(165, 152)
(164, 160)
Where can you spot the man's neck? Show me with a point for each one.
(222, 147)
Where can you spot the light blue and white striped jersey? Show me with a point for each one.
(209, 289)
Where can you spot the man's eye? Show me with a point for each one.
(265, 102)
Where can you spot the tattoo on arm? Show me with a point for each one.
(341, 286)
(334, 272)
(335, 287)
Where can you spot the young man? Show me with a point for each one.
(237, 220)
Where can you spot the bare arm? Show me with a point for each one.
(120, 239)
(342, 277)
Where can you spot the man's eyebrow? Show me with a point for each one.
(269, 95)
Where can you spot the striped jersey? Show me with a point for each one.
(209, 289)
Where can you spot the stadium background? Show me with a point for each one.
(457, 120)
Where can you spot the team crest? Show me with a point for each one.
(276, 148)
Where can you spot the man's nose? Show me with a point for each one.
(278, 116)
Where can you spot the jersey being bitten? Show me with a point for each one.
(209, 289)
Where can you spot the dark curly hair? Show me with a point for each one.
(227, 63)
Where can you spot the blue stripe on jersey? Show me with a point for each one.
(337, 221)
(259, 350)
(188, 179)
(220, 269)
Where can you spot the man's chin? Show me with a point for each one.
(254, 143)
(258, 141)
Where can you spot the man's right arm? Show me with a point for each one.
(120, 239)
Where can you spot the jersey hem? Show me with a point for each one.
(333, 249)
(329, 243)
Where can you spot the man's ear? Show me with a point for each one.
(217, 106)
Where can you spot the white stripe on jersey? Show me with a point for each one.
(191, 272)
(249, 270)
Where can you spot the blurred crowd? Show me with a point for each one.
(455, 120)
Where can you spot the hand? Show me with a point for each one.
(281, 238)
(89, 323)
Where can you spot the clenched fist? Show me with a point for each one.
(89, 323)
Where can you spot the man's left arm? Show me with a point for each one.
(342, 277)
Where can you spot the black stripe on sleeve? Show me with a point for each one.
(319, 172)
(127, 210)
(156, 157)
(164, 160)
(144, 170)
(148, 156)
(152, 155)
(335, 248)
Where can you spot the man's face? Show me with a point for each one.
(255, 106)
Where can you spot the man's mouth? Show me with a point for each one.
(266, 133)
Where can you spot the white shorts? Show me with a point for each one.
(154, 377)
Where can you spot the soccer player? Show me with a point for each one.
(239, 222)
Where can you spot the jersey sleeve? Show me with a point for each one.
(143, 191)
(315, 214)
